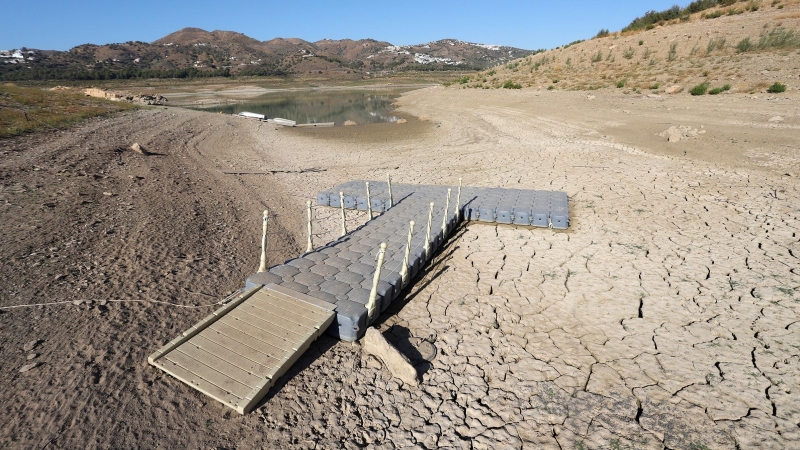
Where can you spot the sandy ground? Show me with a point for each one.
(665, 317)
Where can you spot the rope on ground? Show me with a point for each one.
(79, 302)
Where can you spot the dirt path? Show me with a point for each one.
(667, 316)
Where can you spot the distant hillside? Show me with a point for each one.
(730, 46)
(193, 52)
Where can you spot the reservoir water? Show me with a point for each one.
(320, 106)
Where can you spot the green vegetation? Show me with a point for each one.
(511, 85)
(720, 90)
(779, 38)
(777, 88)
(673, 52)
(22, 73)
(621, 84)
(23, 110)
(651, 18)
(715, 44)
(745, 45)
(700, 89)
(597, 57)
(628, 54)
(491, 72)
(602, 33)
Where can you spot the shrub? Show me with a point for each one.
(727, 87)
(641, 42)
(550, 88)
(700, 89)
(654, 86)
(715, 91)
(620, 84)
(744, 45)
(628, 54)
(597, 57)
(602, 33)
(491, 72)
(779, 38)
(673, 52)
(511, 85)
(777, 88)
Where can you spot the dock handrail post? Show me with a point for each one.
(404, 270)
(310, 246)
(369, 202)
(262, 267)
(428, 233)
(458, 202)
(373, 294)
(444, 219)
(344, 219)
(391, 199)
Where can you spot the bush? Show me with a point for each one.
(745, 45)
(603, 33)
(777, 88)
(673, 52)
(641, 42)
(597, 57)
(715, 91)
(700, 89)
(550, 88)
(620, 84)
(779, 38)
(628, 54)
(511, 85)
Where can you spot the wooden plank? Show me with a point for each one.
(199, 383)
(293, 305)
(203, 324)
(298, 296)
(273, 311)
(251, 400)
(205, 372)
(262, 365)
(219, 364)
(248, 352)
(238, 335)
(268, 326)
(268, 312)
(257, 333)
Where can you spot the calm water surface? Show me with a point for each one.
(319, 106)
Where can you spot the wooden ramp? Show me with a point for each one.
(237, 353)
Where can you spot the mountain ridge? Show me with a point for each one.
(192, 51)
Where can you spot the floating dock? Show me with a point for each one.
(251, 341)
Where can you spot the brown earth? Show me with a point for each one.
(665, 317)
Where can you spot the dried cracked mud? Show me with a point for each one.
(667, 316)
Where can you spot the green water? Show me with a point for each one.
(320, 106)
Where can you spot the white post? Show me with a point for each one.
(344, 220)
(373, 294)
(428, 234)
(444, 219)
(458, 202)
(310, 246)
(265, 221)
(369, 202)
(404, 270)
(391, 200)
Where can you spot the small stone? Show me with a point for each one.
(138, 149)
(28, 367)
(31, 345)
(375, 344)
(776, 119)
(349, 123)
(32, 356)
(674, 89)
(107, 194)
(77, 302)
(401, 121)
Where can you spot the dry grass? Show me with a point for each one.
(24, 109)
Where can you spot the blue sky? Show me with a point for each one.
(60, 25)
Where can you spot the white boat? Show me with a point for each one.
(252, 115)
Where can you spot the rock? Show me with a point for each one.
(674, 89)
(138, 149)
(349, 123)
(776, 119)
(591, 97)
(401, 121)
(675, 134)
(32, 356)
(107, 194)
(653, 96)
(28, 367)
(375, 344)
(31, 345)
